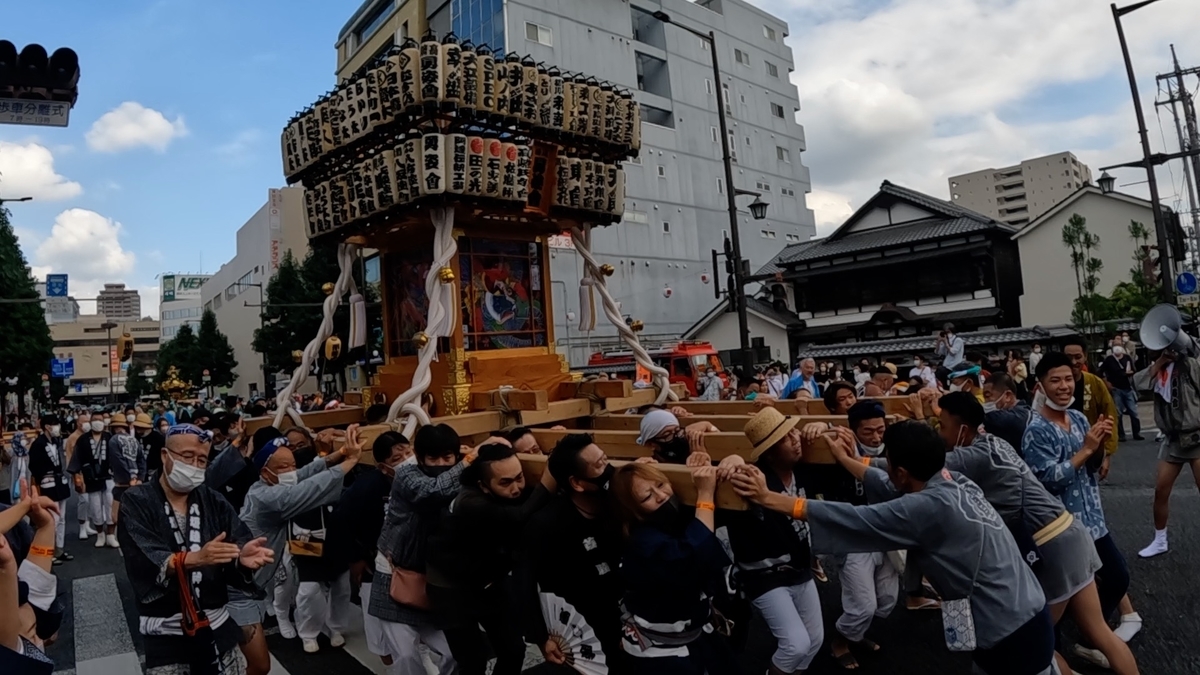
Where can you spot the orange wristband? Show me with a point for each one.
(706, 506)
(43, 551)
(799, 508)
(866, 461)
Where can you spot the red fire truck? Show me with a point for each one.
(684, 360)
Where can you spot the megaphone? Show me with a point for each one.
(1163, 329)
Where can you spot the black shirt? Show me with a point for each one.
(358, 518)
(1113, 370)
(153, 443)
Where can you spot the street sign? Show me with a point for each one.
(1185, 283)
(56, 285)
(34, 113)
(62, 367)
(1189, 300)
(79, 389)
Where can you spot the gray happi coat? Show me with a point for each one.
(952, 533)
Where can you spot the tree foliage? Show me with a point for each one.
(215, 352)
(1133, 298)
(181, 352)
(27, 348)
(1089, 307)
(137, 384)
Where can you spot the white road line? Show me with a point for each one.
(103, 645)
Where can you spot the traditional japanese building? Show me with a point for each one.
(903, 265)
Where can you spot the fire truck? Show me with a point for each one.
(684, 360)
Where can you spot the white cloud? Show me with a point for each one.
(831, 209)
(84, 245)
(241, 146)
(915, 91)
(149, 295)
(27, 170)
(131, 125)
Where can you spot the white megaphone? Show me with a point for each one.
(1163, 329)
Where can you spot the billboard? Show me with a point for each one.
(182, 286)
(275, 225)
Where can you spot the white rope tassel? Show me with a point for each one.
(358, 321)
(582, 241)
(345, 283)
(443, 315)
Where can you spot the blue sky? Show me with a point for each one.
(175, 138)
(225, 77)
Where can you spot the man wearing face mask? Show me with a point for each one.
(232, 471)
(671, 443)
(125, 461)
(1117, 371)
(1004, 415)
(966, 378)
(83, 427)
(90, 466)
(572, 552)
(282, 493)
(152, 444)
(184, 548)
(419, 494)
(1091, 397)
(47, 469)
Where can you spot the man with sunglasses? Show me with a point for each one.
(671, 443)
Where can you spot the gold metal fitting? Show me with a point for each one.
(420, 339)
(637, 326)
(327, 288)
(446, 275)
(297, 355)
(607, 270)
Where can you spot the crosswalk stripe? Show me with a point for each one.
(103, 645)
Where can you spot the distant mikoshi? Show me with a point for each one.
(439, 121)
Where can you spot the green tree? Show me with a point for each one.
(215, 352)
(137, 384)
(286, 325)
(1133, 298)
(1089, 307)
(181, 352)
(27, 348)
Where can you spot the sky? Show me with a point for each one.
(174, 141)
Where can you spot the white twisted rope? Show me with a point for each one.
(345, 282)
(582, 241)
(443, 315)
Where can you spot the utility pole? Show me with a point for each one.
(1191, 170)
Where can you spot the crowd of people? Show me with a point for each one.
(984, 507)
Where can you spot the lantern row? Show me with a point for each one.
(448, 77)
(528, 176)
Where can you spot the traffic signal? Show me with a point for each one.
(32, 74)
(125, 347)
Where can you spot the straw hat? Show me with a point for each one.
(143, 421)
(766, 429)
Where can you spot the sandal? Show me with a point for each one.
(846, 661)
(818, 572)
(865, 645)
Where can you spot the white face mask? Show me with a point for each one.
(989, 406)
(954, 386)
(1118, 350)
(1060, 408)
(289, 478)
(868, 451)
(1037, 350)
(184, 477)
(130, 418)
(55, 431)
(97, 426)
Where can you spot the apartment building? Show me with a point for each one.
(375, 27)
(1018, 194)
(88, 342)
(119, 303)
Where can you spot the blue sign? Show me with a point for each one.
(1185, 283)
(78, 388)
(56, 285)
(62, 367)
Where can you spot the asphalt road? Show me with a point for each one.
(99, 634)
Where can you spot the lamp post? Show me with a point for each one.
(758, 209)
(112, 390)
(1160, 225)
(1106, 182)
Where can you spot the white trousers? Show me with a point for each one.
(81, 507)
(870, 586)
(60, 525)
(100, 506)
(793, 613)
(287, 584)
(320, 605)
(402, 642)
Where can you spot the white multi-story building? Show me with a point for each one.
(179, 302)
(58, 310)
(235, 292)
(1018, 194)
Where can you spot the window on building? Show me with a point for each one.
(720, 185)
(777, 110)
(662, 171)
(788, 191)
(732, 147)
(728, 100)
(373, 21)
(767, 234)
(716, 137)
(708, 86)
(538, 33)
(666, 227)
(783, 154)
(768, 32)
(765, 187)
(404, 30)
(636, 217)
(741, 57)
(772, 69)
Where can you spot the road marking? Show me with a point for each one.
(103, 645)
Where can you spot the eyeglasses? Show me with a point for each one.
(198, 461)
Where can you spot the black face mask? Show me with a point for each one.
(674, 451)
(434, 471)
(604, 479)
(669, 517)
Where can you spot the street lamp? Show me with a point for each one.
(758, 209)
(1106, 182)
(112, 390)
(1160, 225)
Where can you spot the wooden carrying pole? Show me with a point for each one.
(680, 477)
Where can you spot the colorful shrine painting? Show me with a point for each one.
(407, 304)
(502, 294)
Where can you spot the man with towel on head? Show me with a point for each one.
(671, 443)
(282, 493)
